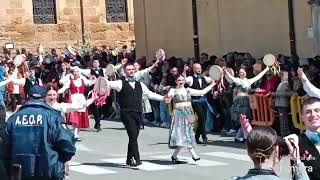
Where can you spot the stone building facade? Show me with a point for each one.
(255, 26)
(17, 24)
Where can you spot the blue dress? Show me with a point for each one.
(181, 130)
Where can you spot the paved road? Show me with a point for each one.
(102, 156)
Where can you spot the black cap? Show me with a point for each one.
(37, 92)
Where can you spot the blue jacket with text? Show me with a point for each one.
(37, 138)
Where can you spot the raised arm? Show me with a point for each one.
(85, 72)
(259, 76)
(116, 85)
(310, 89)
(195, 92)
(150, 94)
(233, 79)
(65, 79)
(64, 88)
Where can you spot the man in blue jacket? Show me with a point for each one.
(37, 138)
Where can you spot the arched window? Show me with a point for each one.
(116, 10)
(44, 12)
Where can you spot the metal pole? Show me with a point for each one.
(292, 33)
(82, 21)
(195, 31)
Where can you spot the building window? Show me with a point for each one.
(116, 10)
(44, 12)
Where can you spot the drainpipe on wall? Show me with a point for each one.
(292, 33)
(82, 21)
(195, 31)
(315, 11)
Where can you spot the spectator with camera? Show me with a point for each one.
(265, 149)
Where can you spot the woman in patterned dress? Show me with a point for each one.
(181, 130)
(77, 86)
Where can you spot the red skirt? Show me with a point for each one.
(79, 119)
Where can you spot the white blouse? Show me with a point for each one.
(193, 92)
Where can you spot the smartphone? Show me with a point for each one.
(16, 171)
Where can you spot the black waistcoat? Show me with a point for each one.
(306, 145)
(93, 72)
(196, 85)
(130, 99)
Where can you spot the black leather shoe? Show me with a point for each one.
(139, 162)
(98, 128)
(196, 159)
(130, 162)
(198, 141)
(176, 160)
(173, 159)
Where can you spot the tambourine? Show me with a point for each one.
(160, 55)
(101, 86)
(231, 72)
(215, 72)
(18, 60)
(271, 61)
(110, 70)
(70, 49)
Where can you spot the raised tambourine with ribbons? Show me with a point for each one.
(271, 61)
(103, 91)
(160, 55)
(110, 70)
(215, 72)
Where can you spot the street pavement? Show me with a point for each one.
(102, 156)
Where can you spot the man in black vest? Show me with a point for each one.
(309, 142)
(199, 104)
(95, 110)
(28, 82)
(130, 102)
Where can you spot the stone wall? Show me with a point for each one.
(16, 25)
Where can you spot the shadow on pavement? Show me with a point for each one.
(165, 162)
(110, 165)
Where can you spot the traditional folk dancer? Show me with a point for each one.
(51, 100)
(241, 103)
(77, 86)
(199, 103)
(130, 101)
(181, 130)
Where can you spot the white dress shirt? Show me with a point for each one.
(189, 80)
(311, 90)
(117, 85)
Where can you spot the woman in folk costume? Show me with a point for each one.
(77, 87)
(51, 100)
(181, 130)
(241, 103)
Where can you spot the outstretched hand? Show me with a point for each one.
(167, 99)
